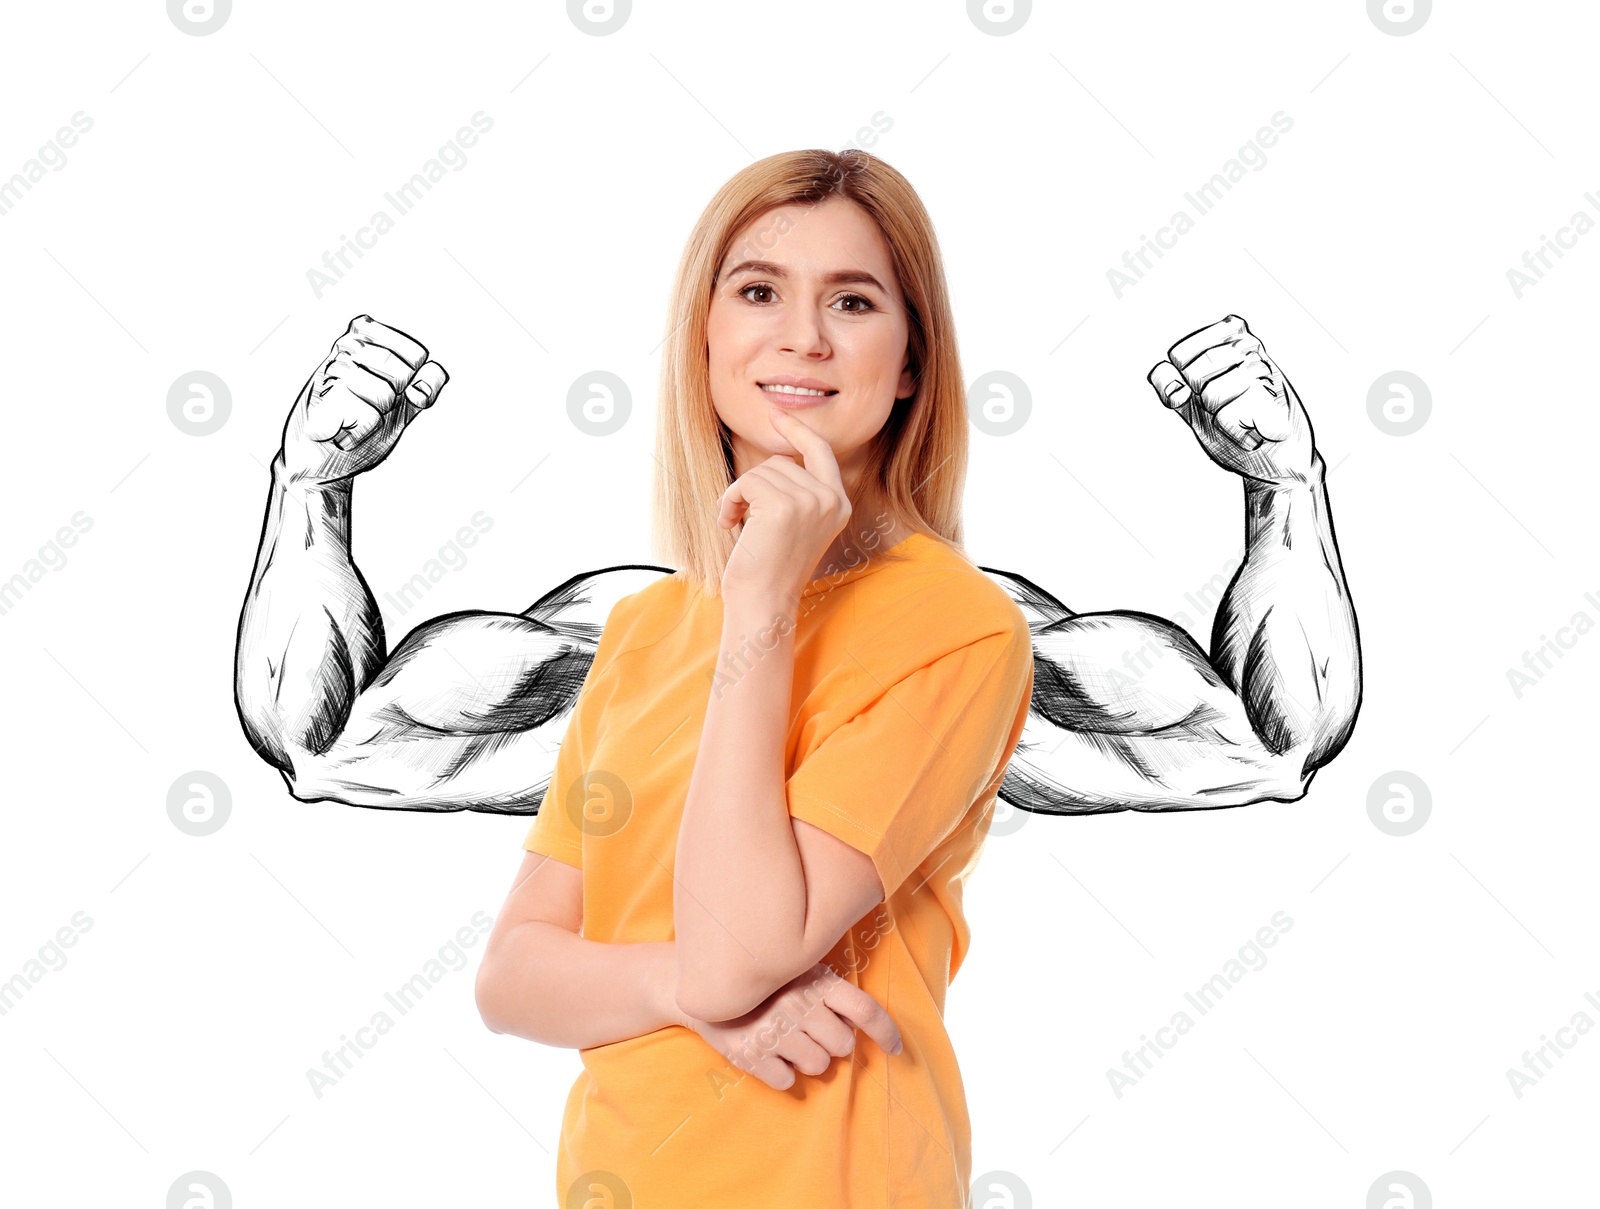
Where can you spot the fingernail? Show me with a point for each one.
(898, 1047)
(422, 388)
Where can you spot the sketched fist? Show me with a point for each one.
(1237, 402)
(353, 409)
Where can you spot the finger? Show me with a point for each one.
(813, 447)
(743, 1051)
(865, 1013)
(1169, 384)
(1236, 383)
(774, 482)
(1225, 388)
(804, 1054)
(1195, 343)
(1239, 426)
(362, 383)
(746, 490)
(824, 1026)
(1261, 409)
(786, 471)
(355, 426)
(820, 1022)
(333, 419)
(345, 422)
(733, 502)
(1236, 409)
(407, 349)
(425, 387)
(1220, 358)
(775, 1073)
(381, 361)
(1246, 424)
(770, 1069)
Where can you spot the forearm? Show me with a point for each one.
(549, 985)
(1285, 634)
(739, 893)
(310, 636)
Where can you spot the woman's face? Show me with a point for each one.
(808, 296)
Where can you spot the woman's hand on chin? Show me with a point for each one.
(791, 514)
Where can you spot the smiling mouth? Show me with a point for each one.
(796, 391)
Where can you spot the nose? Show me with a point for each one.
(802, 333)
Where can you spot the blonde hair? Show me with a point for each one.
(919, 459)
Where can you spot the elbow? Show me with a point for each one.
(303, 777)
(713, 1009)
(303, 790)
(1267, 778)
(713, 1000)
(316, 791)
(697, 990)
(717, 978)
(1291, 787)
(1286, 778)
(485, 995)
(690, 1004)
(484, 1014)
(331, 778)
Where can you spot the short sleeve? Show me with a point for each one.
(554, 831)
(557, 830)
(896, 780)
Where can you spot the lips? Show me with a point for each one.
(802, 383)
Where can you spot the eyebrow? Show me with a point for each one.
(839, 277)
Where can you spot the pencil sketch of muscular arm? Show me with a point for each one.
(468, 711)
(1128, 712)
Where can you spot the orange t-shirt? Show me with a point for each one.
(912, 683)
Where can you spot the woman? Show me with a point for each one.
(839, 654)
(782, 764)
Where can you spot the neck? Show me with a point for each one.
(871, 529)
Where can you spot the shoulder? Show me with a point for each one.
(969, 625)
(642, 618)
(946, 599)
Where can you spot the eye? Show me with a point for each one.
(865, 304)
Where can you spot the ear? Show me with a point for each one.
(908, 383)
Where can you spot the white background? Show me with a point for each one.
(1378, 236)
